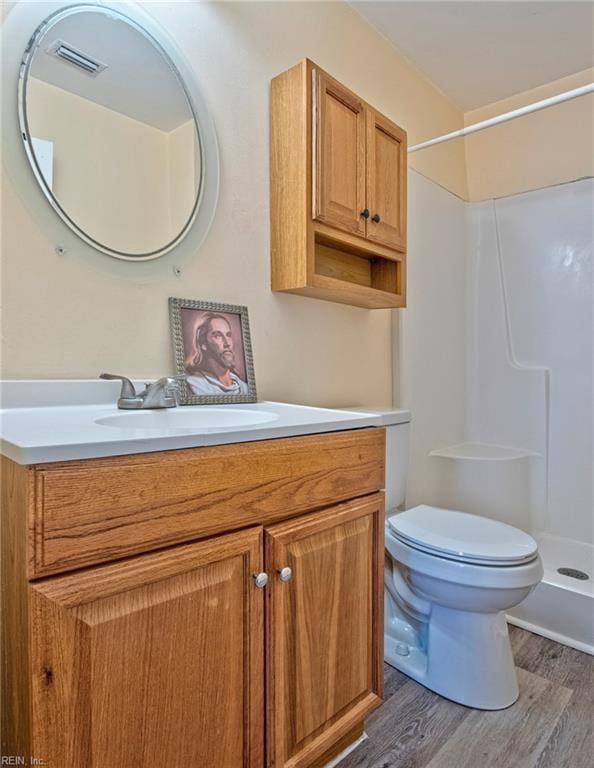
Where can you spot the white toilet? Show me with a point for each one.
(449, 578)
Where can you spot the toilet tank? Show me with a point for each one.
(397, 424)
(397, 449)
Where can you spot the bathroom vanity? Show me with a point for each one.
(218, 605)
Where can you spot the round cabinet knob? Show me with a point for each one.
(261, 579)
(376, 218)
(285, 574)
(365, 213)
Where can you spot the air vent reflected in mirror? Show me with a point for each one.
(69, 53)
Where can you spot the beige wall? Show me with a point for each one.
(68, 317)
(547, 147)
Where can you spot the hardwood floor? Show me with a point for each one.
(550, 726)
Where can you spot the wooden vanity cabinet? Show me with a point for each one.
(338, 193)
(325, 636)
(156, 660)
(174, 655)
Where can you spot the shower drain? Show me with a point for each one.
(573, 573)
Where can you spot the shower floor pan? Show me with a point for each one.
(561, 607)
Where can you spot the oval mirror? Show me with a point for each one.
(111, 132)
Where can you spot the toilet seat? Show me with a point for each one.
(458, 572)
(464, 538)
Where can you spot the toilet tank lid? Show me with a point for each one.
(387, 416)
(463, 536)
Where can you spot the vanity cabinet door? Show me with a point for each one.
(325, 630)
(155, 660)
(386, 181)
(339, 156)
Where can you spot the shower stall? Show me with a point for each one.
(528, 456)
(511, 436)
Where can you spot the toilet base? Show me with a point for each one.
(462, 655)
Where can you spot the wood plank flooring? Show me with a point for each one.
(550, 726)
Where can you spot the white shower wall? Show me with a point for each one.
(530, 342)
(495, 348)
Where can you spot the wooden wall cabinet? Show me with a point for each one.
(339, 139)
(159, 657)
(338, 193)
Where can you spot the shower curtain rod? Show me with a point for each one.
(559, 99)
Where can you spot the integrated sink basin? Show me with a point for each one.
(188, 420)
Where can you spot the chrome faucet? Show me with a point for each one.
(160, 394)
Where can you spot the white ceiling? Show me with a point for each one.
(137, 82)
(479, 52)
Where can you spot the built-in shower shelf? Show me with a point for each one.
(481, 452)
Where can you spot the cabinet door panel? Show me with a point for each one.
(153, 661)
(386, 181)
(325, 629)
(339, 156)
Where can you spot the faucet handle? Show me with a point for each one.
(128, 390)
(168, 381)
(173, 381)
(162, 393)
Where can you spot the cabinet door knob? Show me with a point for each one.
(365, 213)
(285, 574)
(261, 579)
(376, 218)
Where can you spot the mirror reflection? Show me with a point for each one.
(110, 132)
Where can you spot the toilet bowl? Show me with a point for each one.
(449, 579)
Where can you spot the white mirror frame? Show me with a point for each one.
(23, 28)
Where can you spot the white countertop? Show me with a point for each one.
(45, 421)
